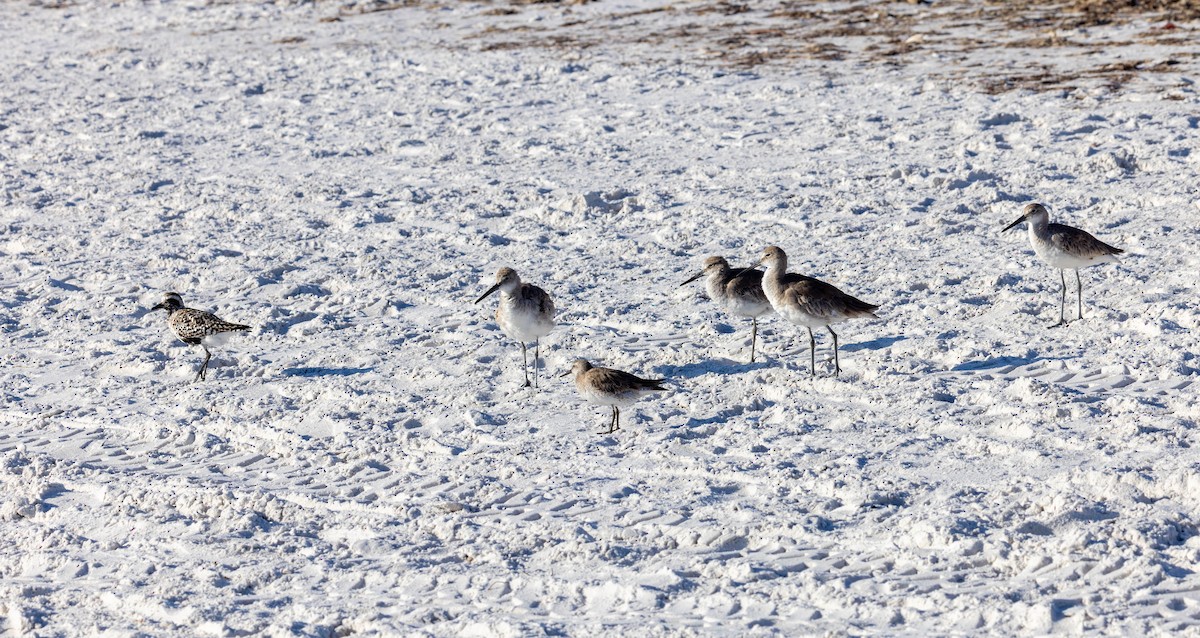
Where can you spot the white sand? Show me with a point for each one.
(365, 462)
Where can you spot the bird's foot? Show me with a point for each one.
(1061, 322)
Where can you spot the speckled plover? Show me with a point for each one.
(196, 327)
(526, 313)
(1064, 247)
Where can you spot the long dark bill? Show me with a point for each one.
(489, 291)
(1010, 226)
(747, 269)
(694, 278)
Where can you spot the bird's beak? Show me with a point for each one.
(489, 291)
(749, 268)
(565, 374)
(694, 278)
(160, 306)
(1019, 220)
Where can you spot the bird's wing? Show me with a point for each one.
(821, 299)
(540, 297)
(748, 283)
(1079, 242)
(810, 297)
(190, 322)
(612, 381)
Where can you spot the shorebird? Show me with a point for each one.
(740, 293)
(1064, 247)
(526, 314)
(809, 302)
(606, 386)
(196, 327)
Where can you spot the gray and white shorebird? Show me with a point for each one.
(1064, 247)
(809, 302)
(606, 386)
(196, 327)
(739, 292)
(526, 313)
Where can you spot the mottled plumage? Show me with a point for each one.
(525, 313)
(739, 292)
(1064, 247)
(196, 327)
(606, 386)
(809, 302)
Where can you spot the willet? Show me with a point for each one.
(526, 314)
(740, 293)
(809, 302)
(196, 327)
(1064, 247)
(606, 386)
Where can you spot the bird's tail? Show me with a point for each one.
(860, 308)
(653, 384)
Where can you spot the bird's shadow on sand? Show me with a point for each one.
(874, 344)
(1004, 362)
(325, 372)
(701, 368)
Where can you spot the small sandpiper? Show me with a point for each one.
(526, 313)
(739, 292)
(809, 302)
(606, 386)
(196, 327)
(1064, 247)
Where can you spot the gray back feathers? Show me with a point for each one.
(821, 299)
(1080, 242)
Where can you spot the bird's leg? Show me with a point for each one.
(753, 336)
(525, 364)
(611, 417)
(837, 366)
(616, 418)
(536, 347)
(812, 353)
(1079, 292)
(1062, 306)
(203, 366)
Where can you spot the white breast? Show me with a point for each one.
(522, 321)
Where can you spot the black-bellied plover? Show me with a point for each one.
(739, 292)
(606, 386)
(1064, 247)
(809, 302)
(526, 313)
(196, 327)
